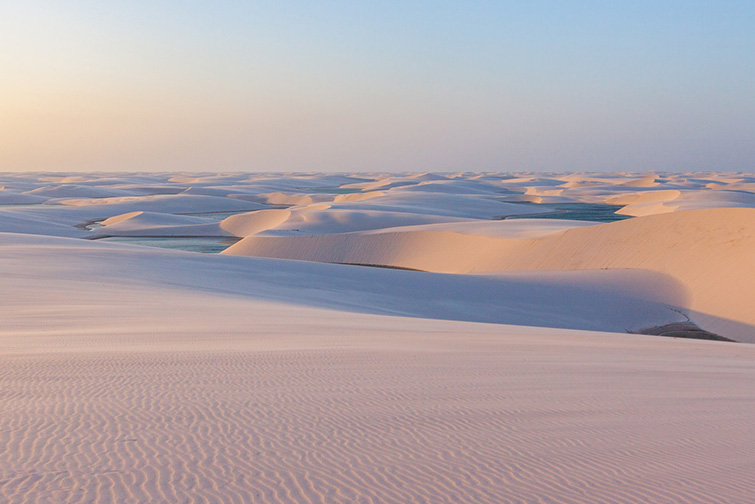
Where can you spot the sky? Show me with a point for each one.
(385, 85)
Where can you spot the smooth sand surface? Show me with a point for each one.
(593, 300)
(643, 197)
(251, 223)
(159, 224)
(507, 374)
(287, 199)
(711, 252)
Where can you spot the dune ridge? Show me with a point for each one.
(704, 249)
(251, 223)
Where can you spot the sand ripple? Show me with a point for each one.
(489, 425)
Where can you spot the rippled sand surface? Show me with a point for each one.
(497, 418)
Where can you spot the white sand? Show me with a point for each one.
(251, 223)
(133, 374)
(710, 252)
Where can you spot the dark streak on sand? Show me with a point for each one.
(387, 266)
(682, 330)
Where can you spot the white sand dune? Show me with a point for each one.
(506, 375)
(609, 301)
(166, 203)
(648, 208)
(524, 198)
(222, 192)
(324, 219)
(537, 191)
(142, 219)
(650, 202)
(441, 204)
(524, 182)
(708, 251)
(159, 224)
(64, 220)
(733, 186)
(342, 198)
(571, 181)
(382, 183)
(643, 197)
(690, 200)
(14, 198)
(304, 183)
(452, 187)
(124, 392)
(14, 220)
(278, 198)
(515, 228)
(251, 223)
(148, 188)
(79, 191)
(647, 181)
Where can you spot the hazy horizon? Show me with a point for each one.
(399, 87)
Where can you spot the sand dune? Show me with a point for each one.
(278, 198)
(648, 181)
(323, 219)
(523, 198)
(158, 224)
(342, 198)
(12, 221)
(648, 208)
(439, 251)
(383, 183)
(452, 187)
(185, 394)
(617, 301)
(514, 228)
(643, 197)
(505, 374)
(704, 249)
(13, 198)
(709, 251)
(66, 219)
(732, 186)
(151, 219)
(79, 191)
(537, 191)
(252, 223)
(441, 204)
(166, 203)
(652, 202)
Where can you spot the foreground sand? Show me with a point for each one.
(131, 374)
(300, 405)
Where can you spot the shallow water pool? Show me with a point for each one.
(575, 211)
(205, 245)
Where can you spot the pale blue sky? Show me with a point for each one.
(365, 86)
